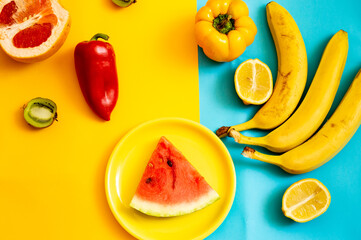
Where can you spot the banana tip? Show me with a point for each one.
(271, 3)
(343, 31)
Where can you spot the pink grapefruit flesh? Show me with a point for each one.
(36, 34)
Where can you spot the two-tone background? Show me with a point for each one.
(52, 180)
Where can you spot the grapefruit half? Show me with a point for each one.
(32, 30)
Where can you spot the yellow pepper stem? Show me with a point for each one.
(224, 23)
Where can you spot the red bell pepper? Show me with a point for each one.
(97, 75)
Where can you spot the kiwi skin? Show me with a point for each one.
(35, 120)
(123, 3)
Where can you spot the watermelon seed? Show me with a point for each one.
(169, 162)
(148, 180)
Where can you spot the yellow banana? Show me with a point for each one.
(291, 77)
(327, 142)
(314, 108)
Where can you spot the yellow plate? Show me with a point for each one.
(201, 147)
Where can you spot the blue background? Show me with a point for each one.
(256, 211)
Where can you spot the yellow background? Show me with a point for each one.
(52, 180)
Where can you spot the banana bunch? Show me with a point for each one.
(315, 106)
(291, 77)
(302, 155)
(327, 142)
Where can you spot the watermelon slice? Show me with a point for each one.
(170, 185)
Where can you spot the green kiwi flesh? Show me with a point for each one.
(40, 112)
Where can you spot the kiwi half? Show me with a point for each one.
(40, 112)
(123, 3)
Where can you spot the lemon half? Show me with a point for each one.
(253, 82)
(305, 200)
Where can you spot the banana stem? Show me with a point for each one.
(253, 154)
(224, 131)
(258, 141)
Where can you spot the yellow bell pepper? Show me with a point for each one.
(223, 29)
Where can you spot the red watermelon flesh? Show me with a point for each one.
(170, 185)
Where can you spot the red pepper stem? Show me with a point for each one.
(99, 35)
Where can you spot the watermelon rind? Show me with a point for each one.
(171, 210)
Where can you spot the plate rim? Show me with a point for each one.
(170, 119)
